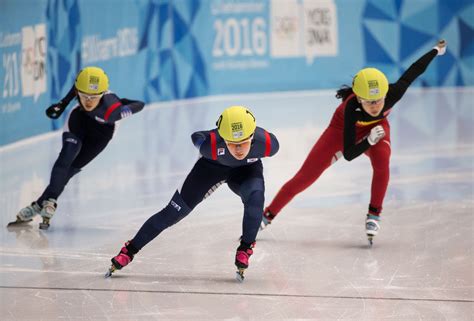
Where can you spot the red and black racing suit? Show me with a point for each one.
(347, 136)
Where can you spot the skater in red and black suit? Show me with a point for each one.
(87, 131)
(358, 126)
(230, 154)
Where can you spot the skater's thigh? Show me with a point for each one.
(203, 179)
(324, 153)
(76, 124)
(246, 178)
(90, 149)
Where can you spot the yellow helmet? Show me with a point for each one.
(236, 124)
(92, 80)
(370, 84)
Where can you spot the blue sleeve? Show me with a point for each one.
(265, 143)
(202, 141)
(198, 138)
(275, 144)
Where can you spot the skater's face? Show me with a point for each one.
(241, 149)
(372, 107)
(89, 102)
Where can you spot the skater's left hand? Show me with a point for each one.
(55, 110)
(441, 47)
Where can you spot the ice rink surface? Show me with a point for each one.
(312, 263)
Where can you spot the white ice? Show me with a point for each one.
(312, 263)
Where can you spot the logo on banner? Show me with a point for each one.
(305, 28)
(33, 63)
(286, 29)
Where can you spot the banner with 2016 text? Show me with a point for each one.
(167, 50)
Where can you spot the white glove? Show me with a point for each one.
(441, 47)
(376, 134)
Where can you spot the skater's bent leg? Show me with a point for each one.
(319, 159)
(60, 173)
(252, 193)
(202, 179)
(379, 156)
(175, 211)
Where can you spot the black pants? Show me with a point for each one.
(82, 142)
(246, 181)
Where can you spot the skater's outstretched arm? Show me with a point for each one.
(398, 89)
(356, 113)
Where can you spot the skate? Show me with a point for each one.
(267, 218)
(244, 251)
(49, 208)
(372, 227)
(121, 260)
(26, 215)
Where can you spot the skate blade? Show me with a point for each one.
(370, 239)
(111, 270)
(239, 275)
(263, 226)
(44, 225)
(18, 223)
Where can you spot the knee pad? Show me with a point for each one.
(179, 204)
(255, 198)
(71, 147)
(70, 138)
(174, 212)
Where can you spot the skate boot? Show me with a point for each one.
(244, 251)
(372, 227)
(122, 259)
(266, 219)
(26, 214)
(49, 208)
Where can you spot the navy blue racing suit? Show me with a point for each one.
(86, 134)
(215, 167)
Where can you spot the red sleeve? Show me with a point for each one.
(213, 145)
(268, 144)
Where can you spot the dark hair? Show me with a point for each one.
(344, 92)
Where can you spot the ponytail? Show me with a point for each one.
(344, 92)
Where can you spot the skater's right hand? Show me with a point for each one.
(441, 47)
(55, 110)
(376, 134)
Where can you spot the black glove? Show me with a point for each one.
(55, 110)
